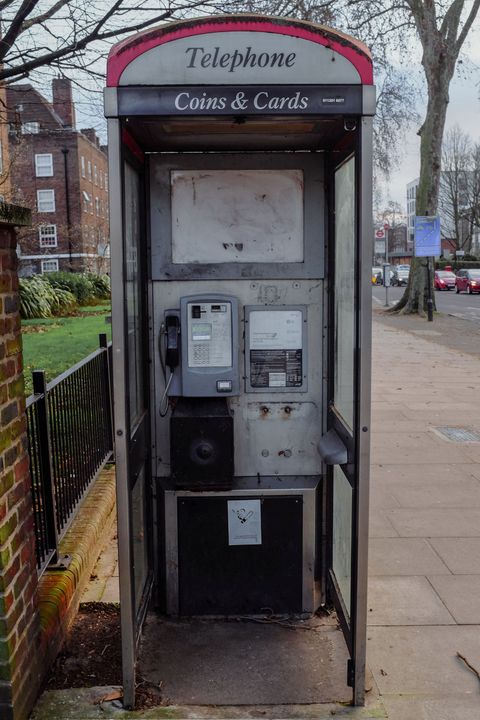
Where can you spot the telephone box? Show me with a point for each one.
(240, 164)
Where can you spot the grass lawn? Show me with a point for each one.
(55, 344)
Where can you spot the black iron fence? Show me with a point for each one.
(70, 439)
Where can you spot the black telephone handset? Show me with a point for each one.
(172, 331)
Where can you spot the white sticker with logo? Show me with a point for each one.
(244, 522)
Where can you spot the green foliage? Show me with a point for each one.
(38, 298)
(101, 284)
(58, 293)
(79, 284)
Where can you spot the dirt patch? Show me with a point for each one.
(92, 655)
(29, 329)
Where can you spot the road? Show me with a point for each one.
(462, 305)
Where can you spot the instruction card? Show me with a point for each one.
(276, 348)
(244, 522)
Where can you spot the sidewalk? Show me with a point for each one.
(424, 587)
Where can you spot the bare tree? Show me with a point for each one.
(441, 26)
(70, 34)
(455, 201)
(442, 29)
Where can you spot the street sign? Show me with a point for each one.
(380, 233)
(427, 236)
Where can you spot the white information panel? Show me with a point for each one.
(244, 522)
(275, 330)
(275, 349)
(237, 216)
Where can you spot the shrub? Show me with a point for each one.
(101, 284)
(79, 284)
(38, 299)
(62, 301)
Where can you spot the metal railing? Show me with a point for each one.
(70, 438)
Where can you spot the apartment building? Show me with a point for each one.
(61, 174)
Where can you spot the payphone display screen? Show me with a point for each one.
(209, 326)
(276, 348)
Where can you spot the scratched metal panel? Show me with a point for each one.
(221, 216)
(247, 166)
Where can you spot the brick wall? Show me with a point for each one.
(82, 228)
(19, 617)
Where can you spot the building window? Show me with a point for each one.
(97, 206)
(82, 163)
(30, 128)
(44, 165)
(106, 181)
(101, 179)
(49, 266)
(86, 201)
(1, 158)
(89, 169)
(46, 201)
(95, 175)
(47, 235)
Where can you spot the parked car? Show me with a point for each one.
(377, 276)
(401, 274)
(444, 280)
(468, 281)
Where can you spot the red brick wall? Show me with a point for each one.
(19, 617)
(88, 225)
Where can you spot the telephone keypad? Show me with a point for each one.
(201, 354)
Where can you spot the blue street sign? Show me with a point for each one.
(427, 236)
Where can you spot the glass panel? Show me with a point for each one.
(133, 289)
(139, 543)
(342, 534)
(344, 290)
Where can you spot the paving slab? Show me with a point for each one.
(404, 556)
(461, 595)
(379, 526)
(383, 497)
(428, 473)
(423, 660)
(433, 522)
(460, 555)
(413, 448)
(454, 706)
(405, 601)
(464, 493)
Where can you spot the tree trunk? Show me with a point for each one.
(439, 64)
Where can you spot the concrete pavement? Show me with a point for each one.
(424, 586)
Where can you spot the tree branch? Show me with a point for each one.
(44, 16)
(468, 24)
(15, 26)
(94, 34)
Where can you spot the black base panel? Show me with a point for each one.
(218, 579)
